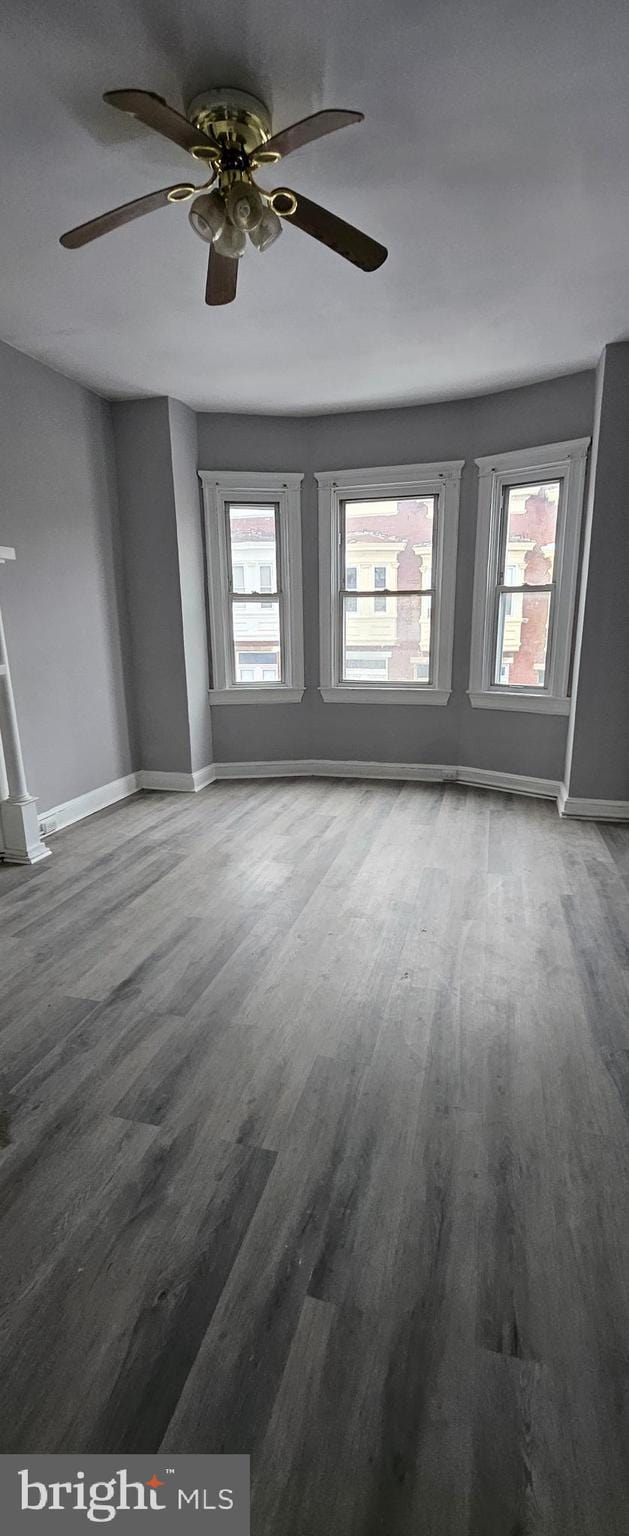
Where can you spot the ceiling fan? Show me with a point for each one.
(229, 132)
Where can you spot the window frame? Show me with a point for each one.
(393, 482)
(497, 473)
(260, 488)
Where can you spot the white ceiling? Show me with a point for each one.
(494, 162)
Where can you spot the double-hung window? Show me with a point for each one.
(387, 563)
(527, 550)
(253, 544)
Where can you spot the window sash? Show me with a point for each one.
(529, 586)
(502, 587)
(347, 681)
(344, 592)
(398, 591)
(503, 530)
(262, 597)
(272, 595)
(276, 591)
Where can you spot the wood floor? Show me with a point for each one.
(315, 1146)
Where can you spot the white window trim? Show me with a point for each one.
(394, 481)
(567, 460)
(219, 486)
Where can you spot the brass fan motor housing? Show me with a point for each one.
(234, 118)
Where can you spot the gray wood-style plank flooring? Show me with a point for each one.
(314, 1144)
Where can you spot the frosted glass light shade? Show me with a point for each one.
(231, 241)
(266, 231)
(207, 216)
(244, 205)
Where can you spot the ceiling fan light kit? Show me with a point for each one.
(229, 131)
(208, 215)
(244, 205)
(267, 231)
(231, 242)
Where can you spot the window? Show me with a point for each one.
(380, 582)
(388, 541)
(527, 546)
(253, 538)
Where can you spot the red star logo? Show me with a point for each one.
(154, 1482)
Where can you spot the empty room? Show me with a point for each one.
(314, 766)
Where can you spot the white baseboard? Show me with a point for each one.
(430, 773)
(85, 805)
(328, 768)
(204, 776)
(152, 778)
(591, 810)
(511, 783)
(65, 815)
(180, 783)
(331, 768)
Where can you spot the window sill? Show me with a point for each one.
(527, 703)
(353, 693)
(273, 695)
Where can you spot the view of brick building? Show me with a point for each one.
(531, 523)
(388, 550)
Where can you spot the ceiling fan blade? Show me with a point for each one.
(155, 113)
(309, 128)
(222, 277)
(118, 216)
(330, 230)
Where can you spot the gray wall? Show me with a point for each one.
(508, 742)
(63, 599)
(160, 518)
(192, 579)
(151, 558)
(598, 757)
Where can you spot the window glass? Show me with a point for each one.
(528, 535)
(392, 537)
(252, 623)
(388, 547)
(522, 648)
(252, 537)
(394, 644)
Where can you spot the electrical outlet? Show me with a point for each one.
(47, 824)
